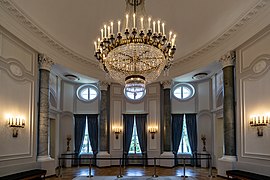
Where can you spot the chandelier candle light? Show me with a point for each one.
(137, 53)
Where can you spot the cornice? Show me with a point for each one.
(40, 33)
(225, 35)
(20, 16)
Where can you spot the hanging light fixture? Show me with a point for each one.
(137, 51)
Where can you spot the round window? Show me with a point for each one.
(87, 92)
(183, 91)
(135, 93)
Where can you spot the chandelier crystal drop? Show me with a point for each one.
(136, 52)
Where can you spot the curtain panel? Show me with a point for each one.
(177, 128)
(128, 127)
(92, 121)
(141, 120)
(191, 122)
(79, 133)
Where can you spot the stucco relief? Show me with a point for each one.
(16, 70)
(259, 66)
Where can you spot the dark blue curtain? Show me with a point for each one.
(92, 120)
(128, 128)
(142, 134)
(191, 123)
(79, 132)
(177, 128)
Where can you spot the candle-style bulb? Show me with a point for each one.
(95, 44)
(109, 31)
(126, 21)
(149, 23)
(158, 26)
(98, 43)
(142, 23)
(163, 28)
(102, 34)
(170, 36)
(119, 23)
(105, 31)
(154, 26)
(134, 20)
(111, 27)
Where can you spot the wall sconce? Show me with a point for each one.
(15, 124)
(259, 121)
(152, 130)
(117, 131)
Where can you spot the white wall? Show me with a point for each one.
(186, 106)
(217, 117)
(253, 98)
(71, 105)
(150, 104)
(68, 96)
(18, 97)
(200, 104)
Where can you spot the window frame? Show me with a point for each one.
(83, 87)
(186, 85)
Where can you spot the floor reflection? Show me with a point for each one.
(192, 173)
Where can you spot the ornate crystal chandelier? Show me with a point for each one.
(137, 51)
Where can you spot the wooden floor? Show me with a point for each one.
(191, 172)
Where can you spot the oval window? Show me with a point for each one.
(87, 92)
(183, 91)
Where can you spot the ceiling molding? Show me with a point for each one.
(40, 33)
(225, 35)
(29, 24)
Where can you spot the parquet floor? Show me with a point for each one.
(193, 173)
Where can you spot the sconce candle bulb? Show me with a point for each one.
(117, 131)
(259, 121)
(152, 130)
(15, 123)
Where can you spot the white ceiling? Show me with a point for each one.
(76, 23)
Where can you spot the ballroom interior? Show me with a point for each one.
(58, 97)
